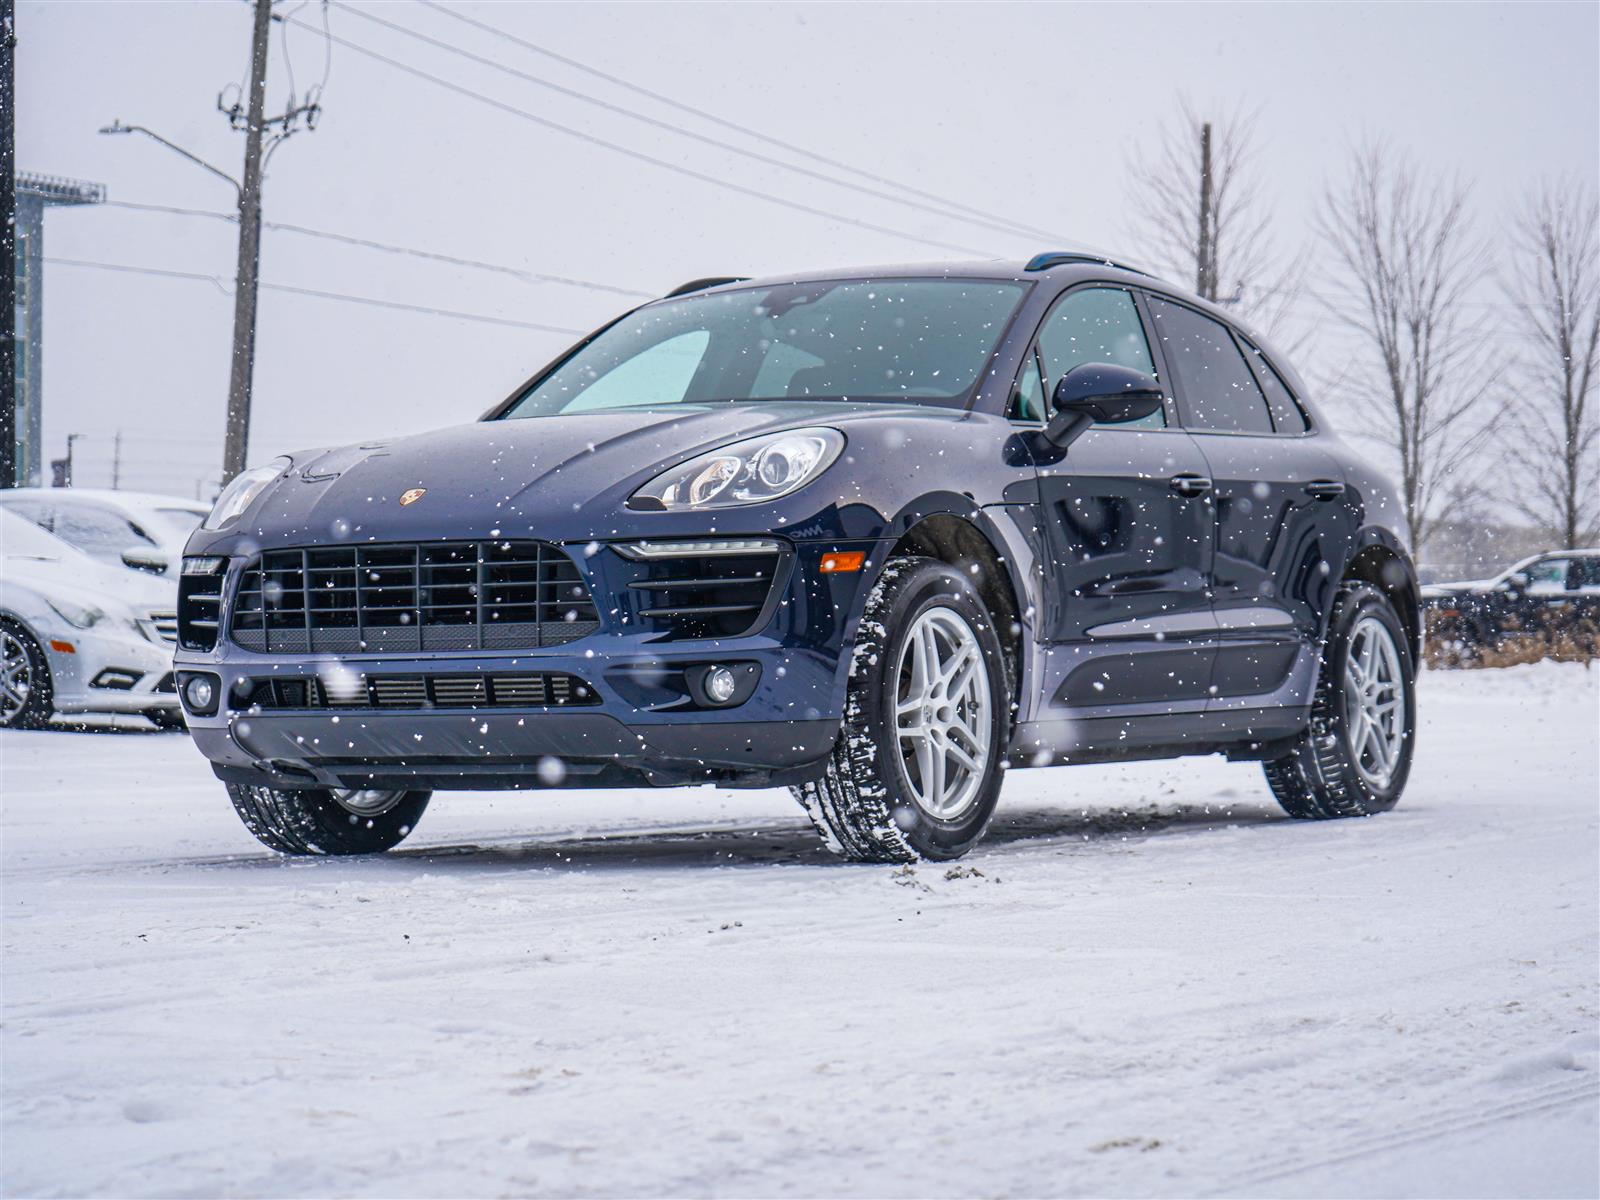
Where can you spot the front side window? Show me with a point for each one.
(1548, 576)
(1027, 401)
(1218, 388)
(907, 341)
(1097, 324)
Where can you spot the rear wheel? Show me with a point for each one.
(25, 687)
(1354, 758)
(917, 769)
(328, 820)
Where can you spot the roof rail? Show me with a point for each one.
(700, 285)
(1058, 258)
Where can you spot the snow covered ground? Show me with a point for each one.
(1145, 982)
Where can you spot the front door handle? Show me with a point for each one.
(1190, 485)
(1325, 489)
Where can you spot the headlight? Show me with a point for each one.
(84, 616)
(748, 472)
(242, 492)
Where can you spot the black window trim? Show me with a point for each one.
(1242, 344)
(1249, 347)
(1169, 404)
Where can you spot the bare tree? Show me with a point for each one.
(1555, 286)
(1408, 262)
(1199, 211)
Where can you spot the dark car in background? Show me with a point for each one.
(875, 535)
(1550, 595)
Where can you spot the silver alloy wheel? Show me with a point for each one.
(16, 676)
(366, 802)
(1375, 701)
(942, 713)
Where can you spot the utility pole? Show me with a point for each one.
(61, 468)
(236, 440)
(8, 247)
(116, 461)
(1206, 264)
(263, 135)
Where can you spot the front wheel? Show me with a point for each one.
(1354, 758)
(327, 820)
(25, 685)
(917, 769)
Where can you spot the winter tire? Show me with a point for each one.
(1353, 759)
(26, 691)
(325, 820)
(918, 765)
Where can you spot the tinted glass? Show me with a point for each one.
(1286, 414)
(1097, 325)
(1548, 575)
(1218, 388)
(918, 341)
(1027, 402)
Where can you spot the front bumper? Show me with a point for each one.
(108, 671)
(637, 723)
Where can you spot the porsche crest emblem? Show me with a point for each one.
(412, 496)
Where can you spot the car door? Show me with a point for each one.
(1284, 524)
(1127, 523)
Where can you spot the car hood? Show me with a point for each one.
(560, 478)
(1467, 587)
(84, 581)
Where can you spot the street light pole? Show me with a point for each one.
(258, 148)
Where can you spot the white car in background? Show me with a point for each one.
(78, 636)
(141, 530)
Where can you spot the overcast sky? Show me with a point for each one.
(1029, 112)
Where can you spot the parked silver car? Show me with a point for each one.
(142, 530)
(78, 636)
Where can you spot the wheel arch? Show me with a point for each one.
(959, 539)
(1380, 560)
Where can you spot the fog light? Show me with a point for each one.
(720, 685)
(200, 694)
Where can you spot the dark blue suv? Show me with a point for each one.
(875, 535)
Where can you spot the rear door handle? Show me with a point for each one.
(1325, 489)
(1190, 485)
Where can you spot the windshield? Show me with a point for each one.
(21, 538)
(918, 341)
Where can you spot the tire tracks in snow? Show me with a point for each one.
(1460, 1120)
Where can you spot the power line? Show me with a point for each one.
(791, 147)
(944, 210)
(319, 294)
(641, 156)
(390, 248)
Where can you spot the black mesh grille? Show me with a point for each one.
(544, 689)
(720, 596)
(451, 596)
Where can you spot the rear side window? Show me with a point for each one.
(1218, 388)
(1287, 416)
(1096, 325)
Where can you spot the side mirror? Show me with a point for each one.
(146, 558)
(1099, 393)
(1518, 583)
